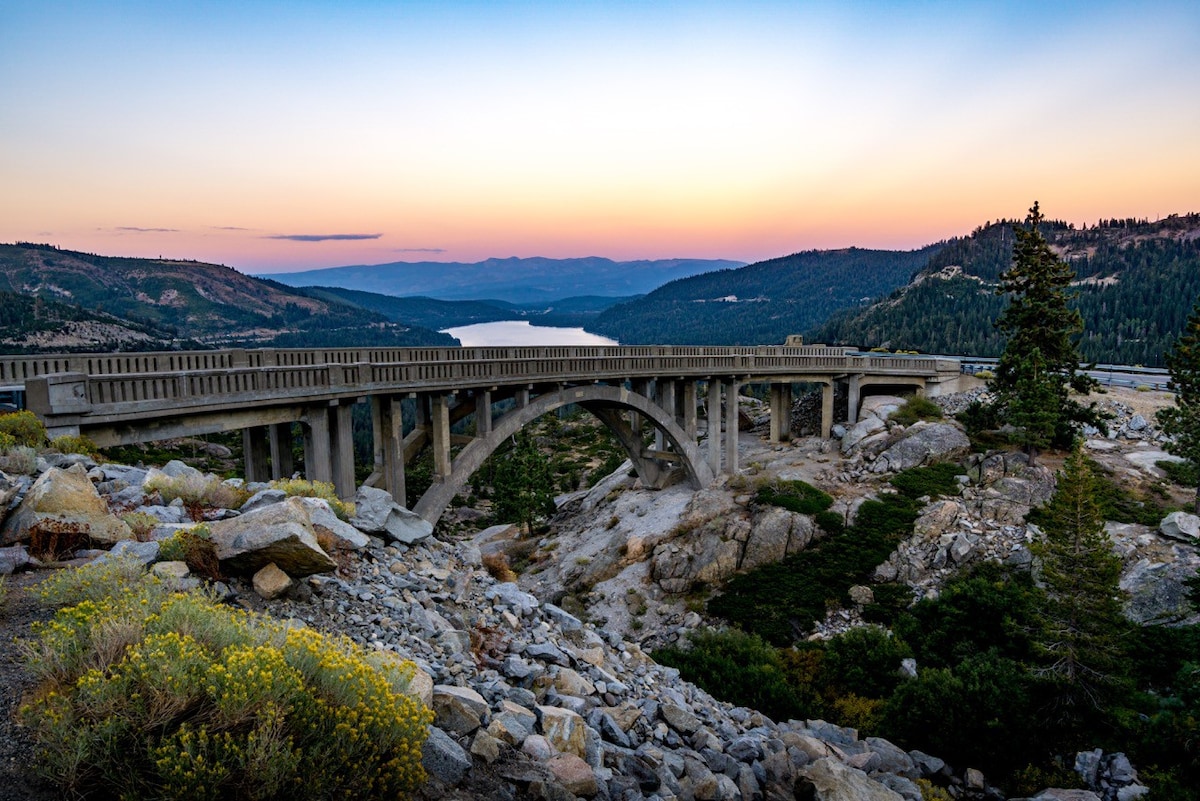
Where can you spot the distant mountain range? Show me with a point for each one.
(761, 303)
(1136, 282)
(520, 281)
(66, 300)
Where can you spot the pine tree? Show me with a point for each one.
(1081, 625)
(524, 487)
(1040, 363)
(1182, 421)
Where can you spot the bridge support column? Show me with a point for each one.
(388, 422)
(666, 399)
(255, 451)
(781, 412)
(642, 387)
(826, 409)
(687, 399)
(731, 427)
(342, 450)
(318, 457)
(439, 425)
(483, 413)
(282, 464)
(853, 390)
(714, 425)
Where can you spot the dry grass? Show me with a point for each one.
(497, 565)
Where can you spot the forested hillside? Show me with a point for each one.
(440, 314)
(1135, 283)
(171, 301)
(761, 303)
(32, 325)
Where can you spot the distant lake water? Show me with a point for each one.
(518, 333)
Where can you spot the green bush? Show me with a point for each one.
(142, 524)
(7, 441)
(830, 522)
(914, 409)
(1185, 474)
(24, 427)
(891, 600)
(150, 694)
(780, 601)
(70, 443)
(795, 496)
(737, 667)
(865, 661)
(932, 481)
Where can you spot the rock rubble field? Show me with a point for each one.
(533, 701)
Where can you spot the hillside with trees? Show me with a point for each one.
(1130, 276)
(761, 303)
(165, 303)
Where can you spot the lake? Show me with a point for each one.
(517, 333)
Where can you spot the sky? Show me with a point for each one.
(275, 136)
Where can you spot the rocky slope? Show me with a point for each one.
(550, 693)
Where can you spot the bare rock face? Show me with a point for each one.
(832, 780)
(922, 444)
(281, 533)
(64, 501)
(1181, 526)
(376, 512)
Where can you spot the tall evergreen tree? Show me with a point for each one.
(1182, 421)
(1080, 628)
(1040, 363)
(524, 487)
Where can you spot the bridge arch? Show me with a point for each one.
(605, 402)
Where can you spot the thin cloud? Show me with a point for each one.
(323, 237)
(229, 228)
(135, 230)
(418, 250)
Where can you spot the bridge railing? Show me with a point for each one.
(106, 393)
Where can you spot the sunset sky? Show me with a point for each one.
(290, 135)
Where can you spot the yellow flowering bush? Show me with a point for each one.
(152, 693)
(316, 489)
(197, 492)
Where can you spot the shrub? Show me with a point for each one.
(737, 667)
(932, 480)
(1185, 474)
(795, 496)
(316, 489)
(18, 459)
(865, 660)
(146, 693)
(195, 547)
(914, 409)
(198, 493)
(7, 441)
(71, 443)
(498, 567)
(24, 427)
(830, 522)
(142, 524)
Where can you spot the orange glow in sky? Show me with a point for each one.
(277, 137)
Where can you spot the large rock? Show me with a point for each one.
(281, 533)
(833, 781)
(326, 523)
(270, 582)
(376, 512)
(923, 444)
(1157, 592)
(1181, 526)
(9, 488)
(460, 710)
(444, 759)
(775, 534)
(574, 774)
(64, 501)
(565, 730)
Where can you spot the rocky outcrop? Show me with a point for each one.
(64, 502)
(922, 443)
(376, 512)
(281, 533)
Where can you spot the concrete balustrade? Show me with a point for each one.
(124, 398)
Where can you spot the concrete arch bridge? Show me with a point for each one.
(122, 398)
